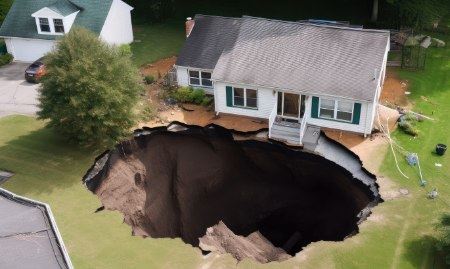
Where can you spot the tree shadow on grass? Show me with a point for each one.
(422, 253)
(43, 161)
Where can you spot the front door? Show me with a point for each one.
(291, 106)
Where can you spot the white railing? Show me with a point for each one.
(305, 118)
(273, 116)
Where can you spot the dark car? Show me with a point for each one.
(35, 71)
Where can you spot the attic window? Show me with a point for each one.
(59, 26)
(44, 25)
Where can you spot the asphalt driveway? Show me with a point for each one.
(16, 95)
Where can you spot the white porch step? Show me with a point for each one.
(290, 135)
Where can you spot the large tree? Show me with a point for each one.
(4, 8)
(443, 243)
(90, 89)
(418, 13)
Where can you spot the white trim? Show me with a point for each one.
(335, 110)
(200, 71)
(52, 223)
(245, 98)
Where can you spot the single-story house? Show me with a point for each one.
(293, 74)
(32, 27)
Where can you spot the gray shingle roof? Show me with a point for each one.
(209, 37)
(29, 237)
(64, 7)
(19, 23)
(315, 59)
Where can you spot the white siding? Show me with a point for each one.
(266, 102)
(69, 20)
(364, 120)
(28, 50)
(118, 29)
(183, 79)
(182, 76)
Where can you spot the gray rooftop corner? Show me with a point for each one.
(304, 57)
(19, 22)
(29, 237)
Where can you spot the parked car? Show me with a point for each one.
(35, 71)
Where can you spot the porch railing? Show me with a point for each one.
(273, 116)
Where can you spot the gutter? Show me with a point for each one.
(53, 225)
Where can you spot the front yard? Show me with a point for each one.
(399, 234)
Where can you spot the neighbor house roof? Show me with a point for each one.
(210, 36)
(20, 23)
(29, 237)
(64, 7)
(309, 58)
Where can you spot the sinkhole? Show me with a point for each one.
(182, 181)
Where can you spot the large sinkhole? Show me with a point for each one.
(180, 180)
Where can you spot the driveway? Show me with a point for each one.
(16, 95)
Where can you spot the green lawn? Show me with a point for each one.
(401, 236)
(157, 41)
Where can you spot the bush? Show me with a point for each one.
(408, 128)
(443, 242)
(191, 95)
(149, 79)
(6, 59)
(197, 96)
(125, 49)
(90, 91)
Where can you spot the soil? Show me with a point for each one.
(181, 181)
(394, 91)
(159, 68)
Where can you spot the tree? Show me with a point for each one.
(4, 8)
(90, 89)
(374, 10)
(420, 13)
(443, 243)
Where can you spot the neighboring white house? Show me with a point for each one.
(32, 27)
(294, 74)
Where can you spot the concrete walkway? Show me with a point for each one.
(16, 95)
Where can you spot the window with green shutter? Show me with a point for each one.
(229, 92)
(356, 113)
(315, 107)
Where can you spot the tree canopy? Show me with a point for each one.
(90, 89)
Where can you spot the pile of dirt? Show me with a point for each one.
(178, 181)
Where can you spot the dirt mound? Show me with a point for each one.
(180, 180)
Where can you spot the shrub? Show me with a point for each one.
(197, 96)
(148, 113)
(207, 101)
(6, 59)
(149, 79)
(125, 49)
(183, 94)
(90, 91)
(408, 128)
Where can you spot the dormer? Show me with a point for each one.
(57, 18)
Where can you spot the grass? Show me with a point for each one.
(401, 236)
(157, 41)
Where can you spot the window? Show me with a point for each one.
(44, 25)
(326, 108)
(206, 79)
(344, 111)
(245, 97)
(59, 26)
(200, 78)
(338, 110)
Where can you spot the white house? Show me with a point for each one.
(32, 27)
(293, 74)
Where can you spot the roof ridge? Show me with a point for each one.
(317, 25)
(217, 16)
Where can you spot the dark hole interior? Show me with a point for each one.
(191, 179)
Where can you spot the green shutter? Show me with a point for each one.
(356, 113)
(315, 107)
(229, 95)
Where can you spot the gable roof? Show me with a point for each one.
(209, 37)
(29, 237)
(323, 59)
(64, 7)
(19, 23)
